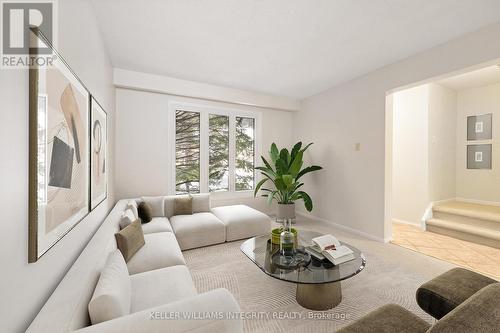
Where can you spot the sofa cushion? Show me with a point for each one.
(479, 313)
(183, 205)
(156, 204)
(157, 224)
(390, 318)
(199, 229)
(242, 221)
(161, 286)
(201, 203)
(161, 250)
(445, 292)
(127, 218)
(130, 239)
(112, 295)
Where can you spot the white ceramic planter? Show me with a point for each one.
(286, 211)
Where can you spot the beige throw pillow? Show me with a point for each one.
(132, 204)
(127, 218)
(183, 205)
(130, 239)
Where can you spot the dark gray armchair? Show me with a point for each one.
(479, 312)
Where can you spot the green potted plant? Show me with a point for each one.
(284, 171)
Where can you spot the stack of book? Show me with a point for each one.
(328, 247)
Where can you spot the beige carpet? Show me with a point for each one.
(392, 275)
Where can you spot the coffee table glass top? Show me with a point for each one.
(260, 250)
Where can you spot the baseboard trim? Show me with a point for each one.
(345, 228)
(406, 222)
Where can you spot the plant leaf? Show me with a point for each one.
(262, 168)
(259, 184)
(270, 197)
(274, 153)
(296, 186)
(296, 164)
(285, 156)
(305, 148)
(281, 167)
(295, 150)
(266, 163)
(288, 181)
(280, 184)
(307, 170)
(307, 200)
(267, 172)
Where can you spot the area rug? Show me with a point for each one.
(392, 275)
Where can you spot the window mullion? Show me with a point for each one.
(232, 152)
(204, 152)
(171, 151)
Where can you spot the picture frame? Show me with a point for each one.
(98, 154)
(59, 161)
(479, 156)
(479, 127)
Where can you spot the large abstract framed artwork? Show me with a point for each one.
(98, 157)
(59, 160)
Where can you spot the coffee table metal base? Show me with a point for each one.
(319, 296)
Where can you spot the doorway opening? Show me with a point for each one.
(443, 143)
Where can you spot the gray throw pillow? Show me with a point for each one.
(144, 212)
(183, 205)
(130, 239)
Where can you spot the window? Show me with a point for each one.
(245, 129)
(187, 152)
(218, 158)
(214, 149)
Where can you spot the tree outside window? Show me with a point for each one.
(203, 157)
(187, 152)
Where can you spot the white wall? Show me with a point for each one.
(442, 142)
(423, 152)
(25, 287)
(173, 86)
(410, 154)
(481, 185)
(142, 134)
(350, 191)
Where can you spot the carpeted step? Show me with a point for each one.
(469, 210)
(466, 219)
(472, 233)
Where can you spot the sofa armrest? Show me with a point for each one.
(479, 313)
(390, 318)
(213, 311)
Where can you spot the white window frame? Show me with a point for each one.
(204, 112)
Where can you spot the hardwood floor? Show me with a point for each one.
(480, 258)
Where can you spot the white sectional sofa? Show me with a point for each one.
(158, 280)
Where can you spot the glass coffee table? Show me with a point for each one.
(318, 282)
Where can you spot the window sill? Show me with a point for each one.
(232, 194)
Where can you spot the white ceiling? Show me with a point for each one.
(478, 78)
(293, 48)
